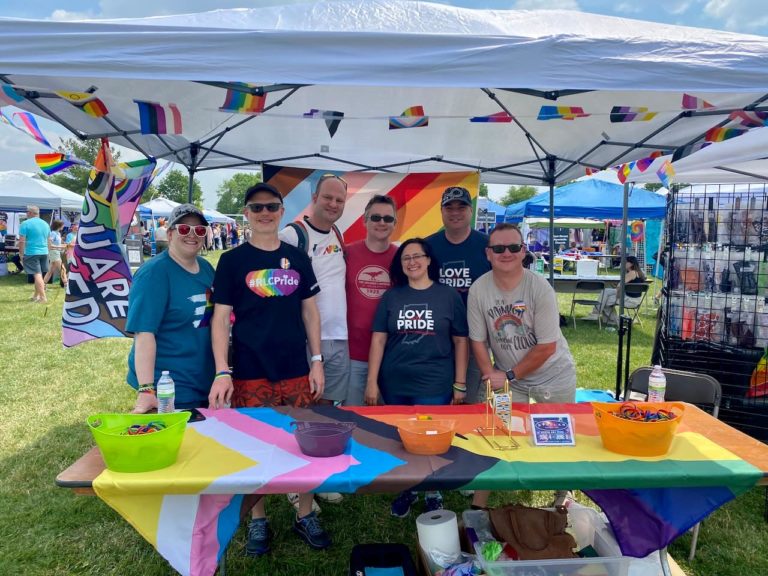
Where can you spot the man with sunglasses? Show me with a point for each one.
(368, 263)
(514, 311)
(271, 288)
(460, 250)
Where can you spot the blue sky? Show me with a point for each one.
(743, 16)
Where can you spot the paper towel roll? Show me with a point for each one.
(439, 530)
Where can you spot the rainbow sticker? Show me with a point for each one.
(269, 282)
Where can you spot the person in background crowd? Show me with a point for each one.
(461, 253)
(606, 309)
(235, 236)
(70, 241)
(368, 263)
(33, 249)
(161, 236)
(271, 288)
(55, 248)
(209, 239)
(169, 313)
(514, 312)
(418, 346)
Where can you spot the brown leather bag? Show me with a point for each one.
(535, 534)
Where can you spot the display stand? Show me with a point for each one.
(713, 314)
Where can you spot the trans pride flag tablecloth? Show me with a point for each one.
(189, 511)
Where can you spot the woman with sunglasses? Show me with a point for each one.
(606, 309)
(169, 313)
(419, 350)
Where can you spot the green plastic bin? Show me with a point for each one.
(140, 453)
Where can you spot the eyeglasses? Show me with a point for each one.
(185, 229)
(499, 248)
(255, 207)
(413, 257)
(378, 218)
(328, 176)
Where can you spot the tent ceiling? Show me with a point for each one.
(342, 57)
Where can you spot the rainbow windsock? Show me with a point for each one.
(412, 117)
(56, 162)
(561, 113)
(498, 117)
(631, 114)
(9, 96)
(86, 102)
(157, 118)
(694, 103)
(243, 101)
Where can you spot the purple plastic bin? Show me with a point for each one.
(323, 439)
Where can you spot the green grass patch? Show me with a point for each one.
(48, 392)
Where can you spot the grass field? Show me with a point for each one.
(48, 392)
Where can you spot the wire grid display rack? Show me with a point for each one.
(713, 317)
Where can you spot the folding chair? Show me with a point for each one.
(635, 291)
(700, 389)
(587, 287)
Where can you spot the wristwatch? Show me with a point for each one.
(510, 375)
(316, 358)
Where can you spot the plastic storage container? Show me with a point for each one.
(426, 437)
(140, 453)
(637, 438)
(323, 439)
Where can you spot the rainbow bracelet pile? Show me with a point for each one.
(630, 411)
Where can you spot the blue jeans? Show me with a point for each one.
(402, 400)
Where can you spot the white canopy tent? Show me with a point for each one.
(374, 60)
(20, 189)
(157, 208)
(215, 216)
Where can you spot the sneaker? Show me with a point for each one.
(258, 537)
(309, 529)
(330, 497)
(293, 498)
(401, 506)
(433, 501)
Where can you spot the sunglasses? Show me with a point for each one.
(255, 207)
(378, 218)
(328, 176)
(185, 229)
(499, 248)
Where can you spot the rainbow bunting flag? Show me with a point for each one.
(491, 118)
(136, 169)
(721, 133)
(332, 118)
(590, 171)
(157, 118)
(561, 113)
(687, 150)
(9, 96)
(86, 102)
(243, 101)
(412, 117)
(666, 173)
(644, 163)
(56, 162)
(624, 171)
(749, 118)
(694, 103)
(32, 128)
(631, 114)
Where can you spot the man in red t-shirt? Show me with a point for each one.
(367, 279)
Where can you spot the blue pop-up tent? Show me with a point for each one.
(591, 199)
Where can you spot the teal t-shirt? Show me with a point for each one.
(176, 307)
(36, 231)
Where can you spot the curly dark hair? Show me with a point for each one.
(396, 268)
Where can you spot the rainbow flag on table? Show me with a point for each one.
(190, 510)
(156, 118)
(416, 195)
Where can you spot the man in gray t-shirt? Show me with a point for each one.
(514, 311)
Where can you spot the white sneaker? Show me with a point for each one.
(293, 498)
(330, 497)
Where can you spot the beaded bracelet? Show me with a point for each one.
(147, 388)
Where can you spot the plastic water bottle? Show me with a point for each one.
(657, 385)
(166, 393)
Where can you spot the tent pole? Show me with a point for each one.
(620, 294)
(551, 180)
(194, 148)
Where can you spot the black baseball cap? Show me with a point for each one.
(261, 187)
(456, 193)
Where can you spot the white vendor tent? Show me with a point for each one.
(20, 189)
(215, 216)
(524, 97)
(157, 208)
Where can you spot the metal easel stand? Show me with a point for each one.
(622, 358)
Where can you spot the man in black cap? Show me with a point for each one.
(460, 250)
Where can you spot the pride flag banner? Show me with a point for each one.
(666, 173)
(631, 114)
(561, 113)
(492, 118)
(31, 127)
(243, 101)
(416, 195)
(9, 96)
(412, 117)
(688, 149)
(157, 118)
(721, 133)
(86, 102)
(749, 118)
(332, 118)
(694, 103)
(52, 163)
(624, 171)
